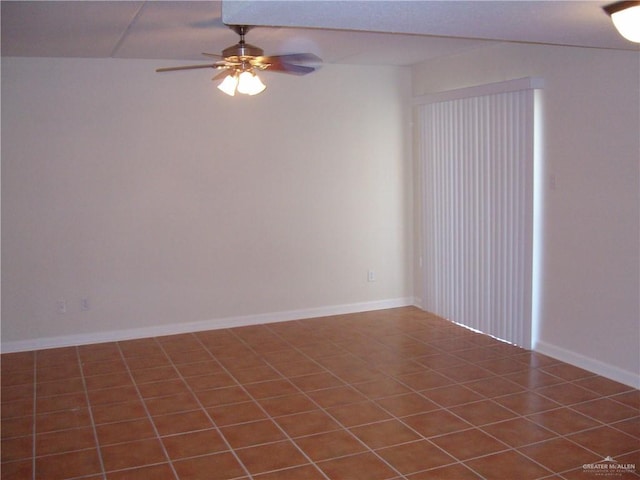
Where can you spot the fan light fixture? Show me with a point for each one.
(246, 82)
(626, 18)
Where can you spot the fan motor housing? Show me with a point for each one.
(242, 50)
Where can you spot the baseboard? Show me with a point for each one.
(606, 370)
(176, 328)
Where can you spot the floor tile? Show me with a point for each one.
(157, 374)
(567, 393)
(414, 457)
(16, 448)
(526, 403)
(384, 434)
(603, 386)
(307, 423)
(62, 420)
(606, 441)
(17, 427)
(271, 388)
(331, 397)
(17, 408)
(558, 454)
(193, 444)
(102, 367)
(171, 404)
(252, 433)
(132, 454)
(518, 432)
(438, 422)
(19, 470)
(236, 413)
(606, 410)
(534, 378)
(113, 395)
(425, 380)
(452, 395)
(118, 412)
(469, 373)
(65, 441)
(272, 456)
(182, 422)
(358, 414)
(130, 430)
(630, 426)
(323, 446)
(408, 404)
(69, 401)
(482, 413)
(222, 396)
(450, 472)
(566, 371)
(304, 472)
(98, 382)
(631, 399)
(155, 472)
(509, 464)
(210, 381)
(468, 444)
(256, 374)
(157, 360)
(316, 381)
(564, 421)
(362, 465)
(162, 389)
(193, 369)
(67, 465)
(287, 405)
(494, 387)
(218, 466)
(18, 392)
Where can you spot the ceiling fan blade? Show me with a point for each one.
(214, 55)
(189, 67)
(290, 68)
(225, 72)
(293, 58)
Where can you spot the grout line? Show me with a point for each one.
(320, 407)
(149, 417)
(358, 333)
(90, 411)
(34, 417)
(256, 401)
(202, 407)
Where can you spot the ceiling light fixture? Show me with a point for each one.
(626, 18)
(242, 81)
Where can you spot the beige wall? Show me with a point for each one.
(165, 202)
(589, 310)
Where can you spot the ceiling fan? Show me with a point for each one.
(241, 62)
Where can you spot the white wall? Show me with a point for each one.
(165, 202)
(589, 310)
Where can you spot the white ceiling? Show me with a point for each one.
(390, 32)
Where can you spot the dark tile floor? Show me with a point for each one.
(393, 394)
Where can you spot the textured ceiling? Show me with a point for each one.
(358, 32)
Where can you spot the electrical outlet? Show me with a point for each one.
(371, 276)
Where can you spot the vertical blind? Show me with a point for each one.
(477, 154)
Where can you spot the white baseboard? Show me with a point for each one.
(596, 366)
(176, 328)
